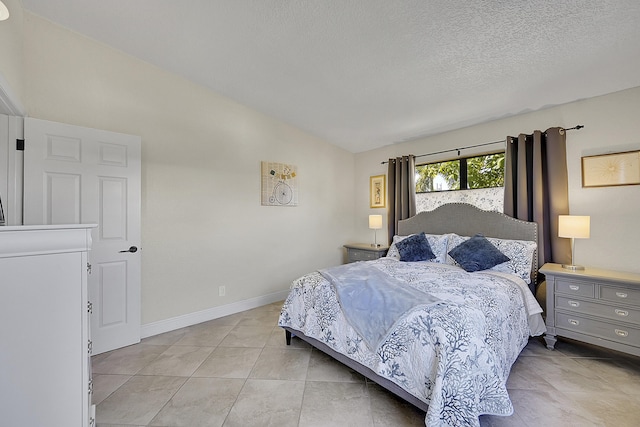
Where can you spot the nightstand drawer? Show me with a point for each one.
(621, 295)
(360, 255)
(608, 331)
(570, 287)
(598, 309)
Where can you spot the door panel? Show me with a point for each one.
(113, 208)
(62, 198)
(113, 154)
(113, 290)
(81, 175)
(63, 148)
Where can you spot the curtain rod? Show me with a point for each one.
(577, 127)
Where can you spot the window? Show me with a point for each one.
(484, 171)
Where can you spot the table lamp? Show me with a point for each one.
(573, 227)
(375, 223)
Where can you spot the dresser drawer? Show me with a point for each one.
(600, 329)
(360, 255)
(570, 287)
(620, 295)
(612, 312)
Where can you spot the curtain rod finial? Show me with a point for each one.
(576, 127)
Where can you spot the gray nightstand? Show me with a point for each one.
(601, 307)
(364, 252)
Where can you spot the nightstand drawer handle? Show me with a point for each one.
(574, 287)
(623, 313)
(574, 303)
(574, 322)
(622, 333)
(621, 294)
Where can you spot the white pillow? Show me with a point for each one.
(437, 242)
(520, 253)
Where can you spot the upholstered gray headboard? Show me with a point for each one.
(467, 220)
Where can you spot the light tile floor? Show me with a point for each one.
(237, 371)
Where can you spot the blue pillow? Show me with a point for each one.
(415, 248)
(477, 254)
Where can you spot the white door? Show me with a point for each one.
(78, 175)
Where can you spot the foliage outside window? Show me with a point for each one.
(467, 173)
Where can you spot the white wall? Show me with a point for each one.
(611, 125)
(202, 222)
(11, 74)
(11, 85)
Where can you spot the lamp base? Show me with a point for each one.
(572, 267)
(375, 245)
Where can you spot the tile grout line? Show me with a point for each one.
(183, 384)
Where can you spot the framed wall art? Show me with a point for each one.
(279, 184)
(611, 169)
(377, 191)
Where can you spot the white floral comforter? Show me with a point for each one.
(455, 356)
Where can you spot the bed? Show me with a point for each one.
(422, 326)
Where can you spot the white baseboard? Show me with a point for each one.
(167, 325)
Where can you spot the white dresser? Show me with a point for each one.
(45, 346)
(601, 307)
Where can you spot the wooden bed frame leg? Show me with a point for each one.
(287, 336)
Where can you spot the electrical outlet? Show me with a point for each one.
(222, 291)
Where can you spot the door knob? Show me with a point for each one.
(132, 249)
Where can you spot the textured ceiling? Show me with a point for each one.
(367, 73)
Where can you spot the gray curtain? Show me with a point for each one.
(536, 188)
(401, 192)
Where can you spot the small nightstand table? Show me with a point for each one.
(600, 307)
(364, 252)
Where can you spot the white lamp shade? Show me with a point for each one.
(4, 12)
(574, 226)
(375, 222)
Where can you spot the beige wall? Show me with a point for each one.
(11, 70)
(203, 225)
(611, 125)
(202, 222)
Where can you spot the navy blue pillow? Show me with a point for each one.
(477, 254)
(415, 248)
